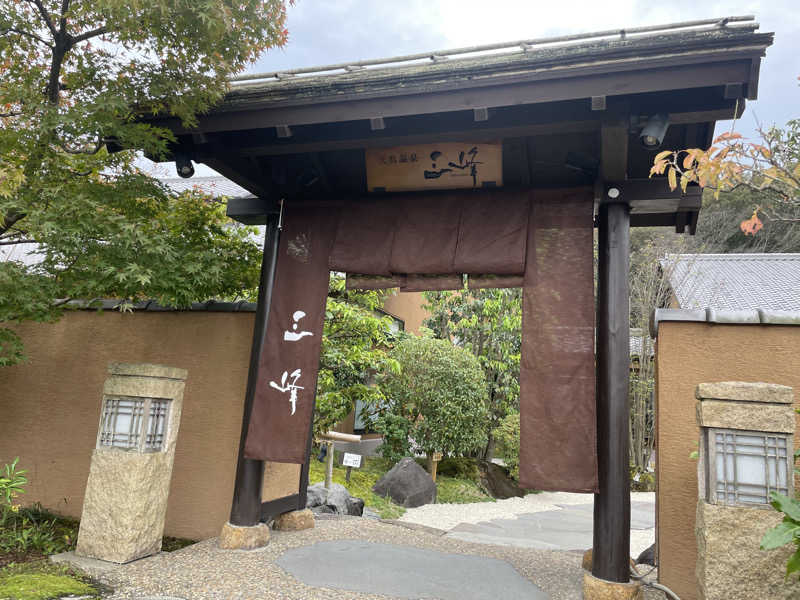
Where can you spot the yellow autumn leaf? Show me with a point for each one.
(662, 155)
(672, 178)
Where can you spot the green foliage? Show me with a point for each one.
(456, 490)
(440, 389)
(395, 430)
(355, 354)
(458, 467)
(35, 531)
(488, 323)
(76, 74)
(507, 434)
(12, 482)
(788, 530)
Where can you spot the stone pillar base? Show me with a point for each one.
(296, 520)
(600, 589)
(233, 537)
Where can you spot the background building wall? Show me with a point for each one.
(408, 307)
(50, 405)
(688, 354)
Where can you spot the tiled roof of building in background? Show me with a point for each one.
(216, 186)
(734, 281)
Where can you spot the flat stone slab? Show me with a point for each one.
(406, 572)
(567, 529)
(92, 565)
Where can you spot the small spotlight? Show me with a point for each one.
(654, 130)
(183, 165)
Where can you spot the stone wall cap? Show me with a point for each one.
(755, 316)
(744, 391)
(147, 370)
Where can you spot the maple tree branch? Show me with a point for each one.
(46, 17)
(89, 34)
(33, 36)
(14, 242)
(9, 220)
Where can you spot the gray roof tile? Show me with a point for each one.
(216, 186)
(735, 282)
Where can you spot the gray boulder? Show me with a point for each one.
(337, 500)
(647, 557)
(338, 497)
(407, 484)
(316, 495)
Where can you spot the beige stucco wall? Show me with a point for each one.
(50, 405)
(688, 354)
(408, 307)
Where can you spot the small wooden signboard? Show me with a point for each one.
(450, 165)
(351, 460)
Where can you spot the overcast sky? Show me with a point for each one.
(325, 31)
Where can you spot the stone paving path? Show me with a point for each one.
(406, 572)
(360, 559)
(300, 565)
(569, 528)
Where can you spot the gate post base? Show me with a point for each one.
(233, 537)
(600, 589)
(296, 520)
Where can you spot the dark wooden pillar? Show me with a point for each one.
(246, 507)
(612, 508)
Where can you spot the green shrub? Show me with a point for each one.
(34, 530)
(788, 530)
(395, 430)
(441, 391)
(507, 436)
(459, 468)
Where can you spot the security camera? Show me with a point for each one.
(654, 131)
(183, 165)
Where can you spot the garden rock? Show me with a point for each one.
(407, 484)
(316, 495)
(337, 500)
(647, 557)
(498, 482)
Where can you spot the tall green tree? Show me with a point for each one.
(487, 323)
(355, 356)
(74, 74)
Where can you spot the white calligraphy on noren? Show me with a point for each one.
(294, 335)
(290, 387)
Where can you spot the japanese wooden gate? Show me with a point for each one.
(565, 113)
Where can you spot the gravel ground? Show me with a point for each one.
(204, 572)
(447, 516)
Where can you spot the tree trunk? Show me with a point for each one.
(488, 452)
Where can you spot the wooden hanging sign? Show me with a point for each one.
(449, 165)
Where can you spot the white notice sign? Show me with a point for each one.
(351, 460)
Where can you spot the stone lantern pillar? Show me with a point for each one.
(746, 452)
(126, 495)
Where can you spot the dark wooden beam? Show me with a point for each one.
(516, 171)
(651, 196)
(273, 508)
(246, 506)
(238, 169)
(545, 86)
(476, 134)
(251, 211)
(612, 510)
(614, 134)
